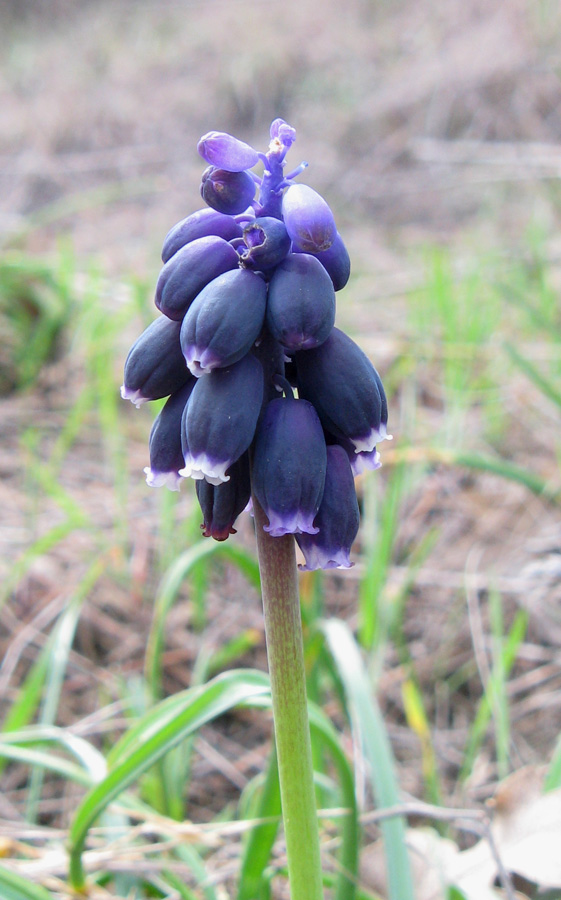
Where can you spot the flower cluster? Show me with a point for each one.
(247, 303)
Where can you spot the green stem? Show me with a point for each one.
(283, 629)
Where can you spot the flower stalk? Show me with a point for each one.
(247, 352)
(283, 629)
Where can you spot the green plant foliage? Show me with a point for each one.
(14, 887)
(35, 311)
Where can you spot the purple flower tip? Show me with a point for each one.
(282, 133)
(227, 152)
(280, 524)
(134, 396)
(337, 519)
(201, 466)
(171, 480)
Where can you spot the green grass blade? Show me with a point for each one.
(485, 709)
(60, 643)
(28, 698)
(13, 745)
(508, 470)
(14, 887)
(498, 698)
(497, 466)
(169, 588)
(259, 844)
(553, 776)
(544, 384)
(374, 623)
(322, 730)
(153, 739)
(182, 889)
(40, 547)
(347, 878)
(44, 760)
(370, 735)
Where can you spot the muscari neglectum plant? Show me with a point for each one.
(270, 406)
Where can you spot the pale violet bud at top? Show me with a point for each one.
(227, 152)
(308, 219)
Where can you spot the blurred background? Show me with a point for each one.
(434, 132)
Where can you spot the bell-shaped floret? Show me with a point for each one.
(266, 243)
(224, 321)
(289, 466)
(221, 504)
(227, 152)
(301, 303)
(220, 419)
(346, 390)
(189, 270)
(337, 519)
(199, 224)
(155, 366)
(335, 260)
(166, 455)
(227, 192)
(308, 219)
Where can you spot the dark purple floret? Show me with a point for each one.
(224, 321)
(272, 358)
(289, 466)
(189, 270)
(308, 219)
(341, 382)
(227, 192)
(166, 455)
(337, 519)
(227, 152)
(155, 366)
(335, 260)
(221, 504)
(220, 419)
(199, 224)
(361, 461)
(266, 243)
(301, 303)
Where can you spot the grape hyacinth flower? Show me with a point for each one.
(259, 266)
(246, 298)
